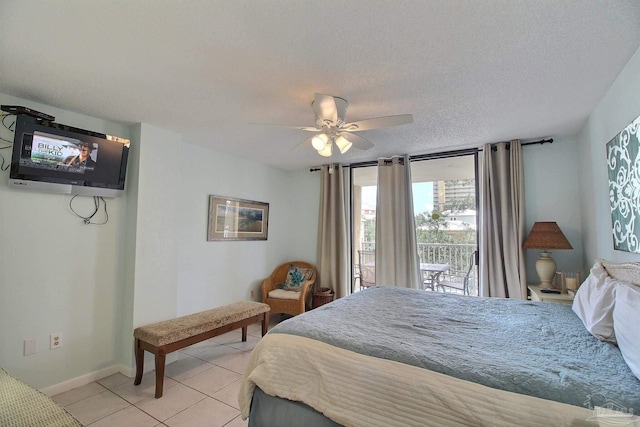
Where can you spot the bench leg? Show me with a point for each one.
(265, 323)
(244, 334)
(139, 362)
(160, 359)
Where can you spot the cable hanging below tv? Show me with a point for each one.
(53, 157)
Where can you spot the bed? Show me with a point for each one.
(390, 356)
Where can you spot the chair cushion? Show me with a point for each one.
(283, 294)
(296, 276)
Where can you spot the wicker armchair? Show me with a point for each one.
(288, 306)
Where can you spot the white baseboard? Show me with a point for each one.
(128, 371)
(87, 379)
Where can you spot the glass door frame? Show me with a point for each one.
(433, 156)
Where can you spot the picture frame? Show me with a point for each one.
(623, 156)
(237, 219)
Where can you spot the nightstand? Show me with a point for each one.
(535, 294)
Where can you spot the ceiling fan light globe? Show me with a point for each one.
(326, 150)
(343, 144)
(319, 141)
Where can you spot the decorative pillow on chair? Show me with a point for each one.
(594, 303)
(296, 277)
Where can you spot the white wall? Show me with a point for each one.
(551, 194)
(58, 274)
(151, 260)
(228, 270)
(157, 226)
(96, 303)
(619, 107)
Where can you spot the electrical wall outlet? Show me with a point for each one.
(56, 340)
(30, 346)
(252, 291)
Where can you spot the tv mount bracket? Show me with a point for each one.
(17, 109)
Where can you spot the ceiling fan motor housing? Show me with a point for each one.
(330, 112)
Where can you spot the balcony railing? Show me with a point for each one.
(456, 255)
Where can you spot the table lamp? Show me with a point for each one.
(546, 235)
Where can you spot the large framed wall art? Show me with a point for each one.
(237, 219)
(623, 163)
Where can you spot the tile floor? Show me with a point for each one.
(200, 389)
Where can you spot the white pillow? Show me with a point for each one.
(594, 303)
(626, 318)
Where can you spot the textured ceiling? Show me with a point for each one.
(469, 71)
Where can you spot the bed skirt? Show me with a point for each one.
(272, 411)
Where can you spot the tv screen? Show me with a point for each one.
(59, 158)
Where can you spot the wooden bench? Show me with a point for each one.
(168, 336)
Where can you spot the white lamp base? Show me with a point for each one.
(546, 268)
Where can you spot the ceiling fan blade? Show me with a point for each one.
(308, 140)
(378, 123)
(306, 128)
(358, 142)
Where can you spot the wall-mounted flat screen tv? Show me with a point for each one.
(62, 159)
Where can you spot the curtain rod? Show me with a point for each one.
(542, 141)
(444, 154)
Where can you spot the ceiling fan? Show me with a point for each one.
(331, 128)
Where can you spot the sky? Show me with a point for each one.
(422, 196)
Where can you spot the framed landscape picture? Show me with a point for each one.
(623, 160)
(237, 219)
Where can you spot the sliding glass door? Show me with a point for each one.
(363, 211)
(445, 201)
(445, 208)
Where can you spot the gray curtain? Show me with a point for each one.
(502, 264)
(397, 262)
(334, 258)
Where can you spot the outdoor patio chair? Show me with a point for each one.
(458, 282)
(367, 266)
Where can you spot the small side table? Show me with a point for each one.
(321, 297)
(535, 294)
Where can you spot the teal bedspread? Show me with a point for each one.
(532, 348)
